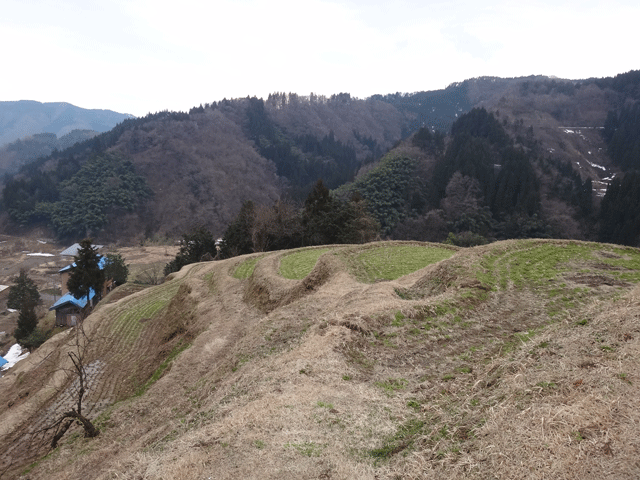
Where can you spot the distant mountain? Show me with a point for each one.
(24, 118)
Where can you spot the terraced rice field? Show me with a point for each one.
(116, 344)
(298, 265)
(246, 268)
(393, 262)
(390, 360)
(129, 316)
(562, 274)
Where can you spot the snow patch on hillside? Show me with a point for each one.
(14, 355)
(594, 165)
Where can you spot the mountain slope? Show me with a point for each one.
(18, 153)
(203, 164)
(517, 359)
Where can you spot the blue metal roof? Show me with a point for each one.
(68, 299)
(101, 264)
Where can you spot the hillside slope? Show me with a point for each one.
(517, 359)
(15, 155)
(203, 164)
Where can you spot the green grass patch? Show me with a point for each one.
(394, 261)
(163, 367)
(308, 449)
(392, 384)
(246, 268)
(623, 377)
(127, 325)
(547, 385)
(48, 456)
(242, 359)
(464, 369)
(546, 268)
(628, 263)
(534, 265)
(398, 319)
(401, 440)
(298, 265)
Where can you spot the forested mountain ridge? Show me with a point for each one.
(201, 166)
(534, 160)
(15, 154)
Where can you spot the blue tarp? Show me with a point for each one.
(3, 361)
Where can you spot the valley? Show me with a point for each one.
(490, 331)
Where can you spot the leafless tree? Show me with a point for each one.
(77, 372)
(276, 227)
(152, 275)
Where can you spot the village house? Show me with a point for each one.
(69, 310)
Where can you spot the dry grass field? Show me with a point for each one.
(391, 360)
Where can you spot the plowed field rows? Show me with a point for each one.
(118, 341)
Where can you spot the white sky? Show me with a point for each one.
(140, 56)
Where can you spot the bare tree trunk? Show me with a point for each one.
(64, 422)
(56, 438)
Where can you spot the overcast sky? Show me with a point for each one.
(140, 56)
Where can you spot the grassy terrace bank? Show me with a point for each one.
(391, 360)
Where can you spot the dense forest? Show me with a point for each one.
(482, 186)
(436, 110)
(25, 150)
(303, 159)
(424, 165)
(76, 203)
(216, 156)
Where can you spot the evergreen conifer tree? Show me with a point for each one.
(237, 238)
(86, 275)
(319, 216)
(195, 245)
(27, 322)
(116, 269)
(23, 290)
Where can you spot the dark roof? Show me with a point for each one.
(73, 249)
